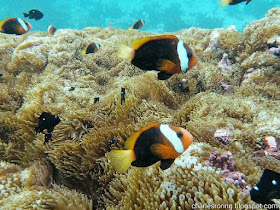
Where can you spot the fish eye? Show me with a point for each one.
(179, 134)
(189, 55)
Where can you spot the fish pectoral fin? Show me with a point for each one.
(166, 65)
(124, 51)
(224, 3)
(165, 164)
(121, 159)
(161, 151)
(163, 75)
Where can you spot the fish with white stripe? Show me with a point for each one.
(165, 53)
(14, 25)
(153, 143)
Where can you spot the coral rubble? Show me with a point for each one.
(39, 69)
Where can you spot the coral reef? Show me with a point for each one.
(38, 71)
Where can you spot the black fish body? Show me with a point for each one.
(47, 121)
(267, 188)
(234, 2)
(34, 14)
(224, 3)
(147, 55)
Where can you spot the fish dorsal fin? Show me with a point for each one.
(165, 164)
(163, 152)
(130, 142)
(121, 159)
(224, 3)
(139, 42)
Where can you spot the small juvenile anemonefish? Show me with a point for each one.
(138, 24)
(14, 25)
(153, 143)
(51, 29)
(165, 53)
(224, 3)
(91, 48)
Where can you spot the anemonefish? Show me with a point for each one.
(153, 143)
(138, 24)
(165, 53)
(51, 29)
(91, 48)
(267, 188)
(14, 25)
(224, 3)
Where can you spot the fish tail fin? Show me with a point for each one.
(124, 51)
(224, 3)
(25, 14)
(82, 53)
(121, 159)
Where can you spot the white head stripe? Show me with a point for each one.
(97, 45)
(172, 137)
(22, 23)
(183, 55)
(274, 182)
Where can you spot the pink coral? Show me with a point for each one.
(226, 163)
(224, 64)
(271, 144)
(222, 134)
(273, 45)
(248, 74)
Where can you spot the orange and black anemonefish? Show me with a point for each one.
(224, 3)
(14, 25)
(51, 29)
(165, 53)
(91, 48)
(138, 24)
(153, 143)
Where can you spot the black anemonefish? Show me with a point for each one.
(138, 24)
(267, 188)
(149, 145)
(165, 53)
(91, 48)
(14, 25)
(51, 29)
(224, 3)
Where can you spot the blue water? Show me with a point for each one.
(160, 16)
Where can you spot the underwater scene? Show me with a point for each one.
(140, 104)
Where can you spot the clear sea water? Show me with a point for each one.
(160, 16)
